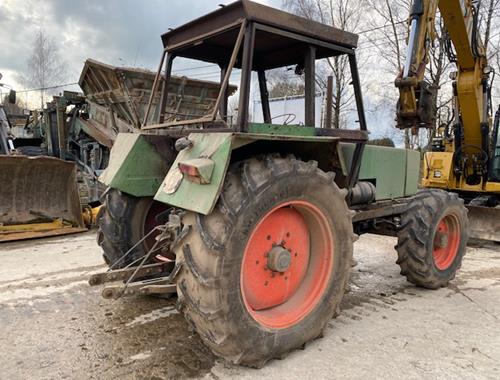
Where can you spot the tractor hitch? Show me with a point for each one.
(154, 286)
(142, 278)
(126, 273)
(158, 285)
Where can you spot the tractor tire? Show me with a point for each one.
(433, 238)
(122, 221)
(266, 270)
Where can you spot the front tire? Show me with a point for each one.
(433, 238)
(247, 304)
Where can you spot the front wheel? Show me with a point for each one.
(433, 238)
(265, 271)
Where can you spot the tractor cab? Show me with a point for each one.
(255, 39)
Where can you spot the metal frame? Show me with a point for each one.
(246, 76)
(155, 85)
(310, 86)
(264, 96)
(302, 38)
(245, 42)
(221, 99)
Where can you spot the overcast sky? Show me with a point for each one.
(127, 33)
(118, 32)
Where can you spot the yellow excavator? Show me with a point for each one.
(465, 155)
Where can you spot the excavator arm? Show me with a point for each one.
(471, 105)
(415, 100)
(460, 18)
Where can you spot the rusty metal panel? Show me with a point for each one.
(38, 190)
(232, 14)
(126, 91)
(24, 235)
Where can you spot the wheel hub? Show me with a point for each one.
(441, 240)
(272, 273)
(446, 242)
(279, 259)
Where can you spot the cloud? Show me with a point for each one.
(118, 32)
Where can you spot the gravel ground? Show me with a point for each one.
(54, 326)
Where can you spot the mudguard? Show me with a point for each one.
(138, 163)
(181, 190)
(195, 179)
(146, 165)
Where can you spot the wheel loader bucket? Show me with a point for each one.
(38, 198)
(484, 223)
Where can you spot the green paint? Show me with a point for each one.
(393, 171)
(193, 196)
(412, 172)
(135, 167)
(286, 130)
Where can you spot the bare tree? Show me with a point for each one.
(437, 75)
(45, 66)
(345, 15)
(386, 38)
(388, 32)
(490, 26)
(491, 16)
(282, 84)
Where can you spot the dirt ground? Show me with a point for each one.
(54, 326)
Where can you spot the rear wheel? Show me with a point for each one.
(123, 220)
(433, 238)
(265, 271)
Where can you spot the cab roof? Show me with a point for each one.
(280, 37)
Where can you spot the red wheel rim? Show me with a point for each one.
(446, 242)
(150, 221)
(282, 298)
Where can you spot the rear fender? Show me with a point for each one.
(138, 163)
(195, 179)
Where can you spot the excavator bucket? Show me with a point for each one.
(38, 198)
(484, 223)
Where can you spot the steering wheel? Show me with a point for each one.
(289, 118)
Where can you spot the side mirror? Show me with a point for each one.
(12, 97)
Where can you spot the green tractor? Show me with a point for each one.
(253, 224)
